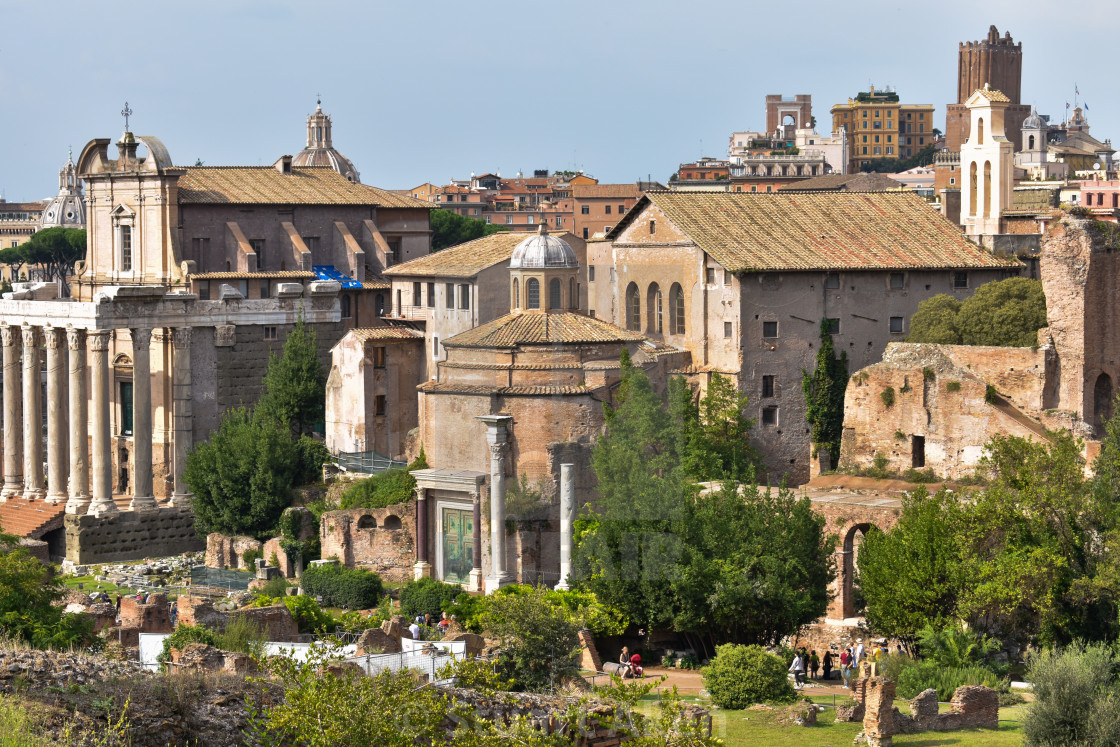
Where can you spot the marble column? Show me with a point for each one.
(142, 496)
(102, 457)
(567, 515)
(78, 501)
(497, 436)
(57, 461)
(13, 415)
(476, 583)
(33, 482)
(182, 421)
(423, 567)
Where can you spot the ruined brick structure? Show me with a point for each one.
(379, 539)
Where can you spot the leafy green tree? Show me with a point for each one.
(935, 321)
(29, 602)
(538, 642)
(295, 384)
(740, 676)
(715, 434)
(1075, 700)
(449, 229)
(1008, 313)
(386, 488)
(242, 477)
(55, 250)
(824, 394)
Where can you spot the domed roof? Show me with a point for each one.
(67, 208)
(543, 251)
(320, 151)
(1033, 122)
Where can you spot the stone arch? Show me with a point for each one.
(654, 309)
(366, 521)
(633, 308)
(851, 540)
(1102, 400)
(392, 521)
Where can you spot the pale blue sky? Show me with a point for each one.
(426, 91)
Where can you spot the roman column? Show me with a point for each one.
(142, 496)
(33, 415)
(497, 436)
(78, 501)
(13, 415)
(423, 567)
(102, 457)
(57, 461)
(567, 511)
(476, 583)
(181, 413)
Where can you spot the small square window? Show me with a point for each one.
(621, 209)
(832, 281)
(607, 209)
(727, 329)
(769, 329)
(960, 279)
(585, 209)
(767, 386)
(896, 325)
(897, 280)
(270, 333)
(833, 326)
(591, 273)
(379, 404)
(711, 275)
(770, 416)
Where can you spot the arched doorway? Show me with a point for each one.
(1102, 401)
(851, 598)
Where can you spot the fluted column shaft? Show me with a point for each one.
(13, 414)
(142, 496)
(102, 456)
(78, 501)
(33, 483)
(181, 413)
(57, 462)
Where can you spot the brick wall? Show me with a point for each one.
(130, 535)
(365, 538)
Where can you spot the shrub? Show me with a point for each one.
(249, 557)
(928, 374)
(183, 636)
(309, 616)
(1075, 690)
(242, 635)
(585, 609)
(274, 587)
(388, 488)
(539, 643)
(741, 676)
(427, 596)
(312, 454)
(919, 476)
(929, 674)
(887, 395)
(953, 386)
(349, 588)
(991, 396)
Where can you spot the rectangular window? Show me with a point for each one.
(509, 219)
(952, 180)
(266, 289)
(727, 277)
(530, 219)
(832, 281)
(126, 408)
(449, 291)
(607, 229)
(607, 209)
(770, 416)
(960, 279)
(464, 296)
(767, 386)
(727, 330)
(270, 333)
(203, 290)
(379, 357)
(243, 288)
(896, 325)
(258, 247)
(417, 299)
(591, 273)
(487, 220)
(126, 248)
(769, 329)
(585, 209)
(435, 346)
(833, 326)
(379, 404)
(431, 295)
(621, 209)
(711, 275)
(898, 280)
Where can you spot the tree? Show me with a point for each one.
(716, 434)
(55, 250)
(1009, 313)
(824, 394)
(538, 642)
(449, 229)
(295, 385)
(935, 321)
(242, 477)
(29, 596)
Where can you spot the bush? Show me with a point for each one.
(583, 607)
(539, 643)
(427, 596)
(274, 587)
(349, 588)
(887, 395)
(242, 635)
(991, 396)
(388, 488)
(29, 591)
(249, 558)
(953, 386)
(183, 636)
(741, 676)
(1075, 693)
(913, 680)
(313, 454)
(309, 616)
(919, 476)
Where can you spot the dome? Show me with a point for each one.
(1033, 122)
(68, 208)
(543, 251)
(320, 151)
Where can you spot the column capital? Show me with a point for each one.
(75, 338)
(30, 335)
(421, 493)
(54, 337)
(498, 451)
(7, 334)
(182, 337)
(141, 337)
(99, 340)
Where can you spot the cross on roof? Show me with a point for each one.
(126, 113)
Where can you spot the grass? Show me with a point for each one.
(89, 585)
(17, 728)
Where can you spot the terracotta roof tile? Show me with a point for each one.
(992, 94)
(538, 328)
(264, 185)
(366, 334)
(524, 391)
(464, 260)
(793, 231)
(581, 191)
(871, 182)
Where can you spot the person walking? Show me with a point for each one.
(845, 664)
(814, 664)
(827, 666)
(798, 670)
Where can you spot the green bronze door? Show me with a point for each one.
(458, 545)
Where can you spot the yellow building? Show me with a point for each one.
(879, 126)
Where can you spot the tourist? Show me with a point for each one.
(414, 629)
(845, 664)
(118, 604)
(624, 663)
(444, 623)
(827, 665)
(858, 653)
(636, 666)
(798, 669)
(814, 664)
(173, 612)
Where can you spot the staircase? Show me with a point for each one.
(32, 519)
(1019, 416)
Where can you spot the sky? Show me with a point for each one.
(434, 90)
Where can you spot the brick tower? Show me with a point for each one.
(995, 61)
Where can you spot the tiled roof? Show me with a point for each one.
(376, 283)
(538, 328)
(464, 260)
(582, 191)
(264, 185)
(262, 275)
(761, 232)
(992, 94)
(365, 334)
(871, 182)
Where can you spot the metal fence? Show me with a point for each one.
(220, 578)
(425, 662)
(368, 462)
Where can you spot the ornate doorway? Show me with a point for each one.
(458, 545)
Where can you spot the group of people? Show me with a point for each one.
(428, 621)
(806, 664)
(630, 665)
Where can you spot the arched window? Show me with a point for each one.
(554, 294)
(653, 308)
(532, 294)
(980, 131)
(367, 522)
(516, 295)
(126, 248)
(987, 189)
(972, 187)
(344, 306)
(676, 310)
(1030, 142)
(573, 295)
(379, 304)
(633, 308)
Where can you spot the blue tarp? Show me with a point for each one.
(328, 272)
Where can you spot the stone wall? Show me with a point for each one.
(972, 707)
(382, 540)
(225, 551)
(130, 535)
(276, 619)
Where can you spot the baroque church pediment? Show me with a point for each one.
(123, 211)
